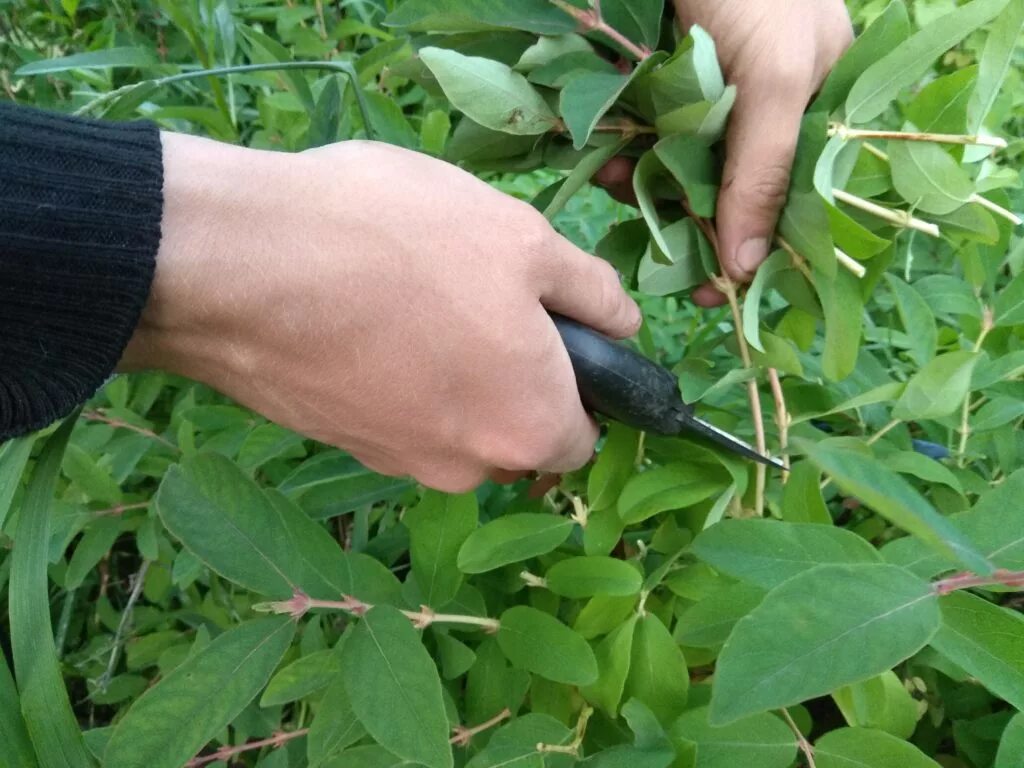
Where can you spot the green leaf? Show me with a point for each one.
(580, 577)
(941, 106)
(492, 684)
(528, 638)
(853, 238)
(657, 670)
(613, 467)
(638, 20)
(843, 303)
(997, 412)
(324, 122)
(778, 261)
(928, 177)
(672, 486)
(890, 29)
(894, 498)
(13, 459)
(333, 482)
(690, 162)
(996, 60)
(368, 756)
(985, 640)
(923, 467)
(822, 629)
(512, 539)
(489, 92)
(438, 527)
(882, 702)
(589, 165)
(93, 479)
(646, 174)
(766, 553)
(1009, 304)
(704, 120)
(946, 294)
(456, 656)
(802, 501)
(562, 70)
(394, 688)
(868, 748)
(938, 389)
(804, 225)
(434, 131)
(335, 725)
(684, 268)
(1011, 745)
(904, 65)
(917, 319)
(50, 720)
(550, 48)
(16, 749)
(708, 623)
(584, 101)
(613, 655)
(192, 705)
(302, 677)
(761, 740)
(97, 541)
(536, 16)
(109, 58)
(515, 745)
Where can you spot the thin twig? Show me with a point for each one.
(897, 217)
(100, 416)
(592, 21)
(804, 744)
(461, 735)
(225, 753)
(987, 323)
(1001, 577)
(120, 509)
(138, 579)
(838, 129)
(849, 263)
(782, 419)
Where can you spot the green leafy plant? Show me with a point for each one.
(188, 584)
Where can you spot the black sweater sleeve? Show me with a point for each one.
(80, 209)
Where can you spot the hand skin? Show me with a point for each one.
(777, 53)
(378, 300)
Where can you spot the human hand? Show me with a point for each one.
(777, 53)
(378, 300)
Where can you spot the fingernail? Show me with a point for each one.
(751, 253)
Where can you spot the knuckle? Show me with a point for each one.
(764, 188)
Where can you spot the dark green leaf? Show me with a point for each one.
(473, 15)
(917, 319)
(761, 740)
(438, 527)
(657, 670)
(690, 162)
(868, 748)
(527, 637)
(673, 486)
(613, 655)
(13, 458)
(174, 719)
(108, 58)
(708, 623)
(823, 628)
(881, 702)
(302, 677)
(394, 688)
(512, 539)
(580, 577)
(939, 388)
(584, 101)
(613, 467)
(766, 553)
(51, 723)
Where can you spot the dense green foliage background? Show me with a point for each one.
(638, 612)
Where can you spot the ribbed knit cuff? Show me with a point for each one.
(80, 209)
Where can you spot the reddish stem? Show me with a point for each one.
(592, 21)
(967, 580)
(98, 415)
(462, 735)
(226, 753)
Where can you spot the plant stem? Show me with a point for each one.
(119, 424)
(1001, 577)
(838, 129)
(573, 747)
(987, 322)
(301, 603)
(804, 744)
(120, 509)
(726, 286)
(782, 419)
(137, 581)
(899, 218)
(850, 264)
(226, 753)
(592, 21)
(461, 735)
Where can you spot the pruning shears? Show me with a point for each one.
(622, 384)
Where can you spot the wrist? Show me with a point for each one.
(215, 195)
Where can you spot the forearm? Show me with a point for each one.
(80, 213)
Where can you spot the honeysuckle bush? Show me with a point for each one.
(188, 584)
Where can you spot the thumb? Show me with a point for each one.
(588, 290)
(760, 146)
